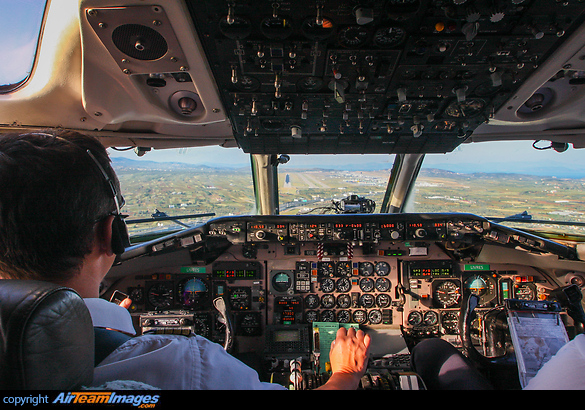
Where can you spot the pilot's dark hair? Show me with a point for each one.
(51, 197)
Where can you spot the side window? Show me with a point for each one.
(20, 29)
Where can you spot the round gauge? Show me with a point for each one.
(482, 286)
(387, 37)
(383, 300)
(367, 300)
(465, 109)
(192, 292)
(415, 318)
(343, 285)
(450, 322)
(366, 285)
(353, 36)
(360, 316)
(250, 324)
(326, 269)
(343, 316)
(344, 301)
(281, 282)
(383, 285)
(311, 316)
(137, 295)
(160, 295)
(314, 31)
(312, 301)
(328, 301)
(524, 291)
(447, 294)
(382, 269)
(344, 269)
(327, 316)
(375, 317)
(240, 298)
(327, 285)
(240, 28)
(366, 268)
(430, 318)
(276, 28)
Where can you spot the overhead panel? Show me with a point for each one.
(396, 76)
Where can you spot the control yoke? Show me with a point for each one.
(224, 317)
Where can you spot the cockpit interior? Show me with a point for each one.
(275, 78)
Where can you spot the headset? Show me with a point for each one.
(120, 236)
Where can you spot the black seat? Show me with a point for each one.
(46, 336)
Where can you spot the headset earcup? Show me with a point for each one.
(120, 237)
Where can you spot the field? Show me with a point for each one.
(178, 191)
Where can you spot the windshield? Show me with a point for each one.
(179, 182)
(494, 180)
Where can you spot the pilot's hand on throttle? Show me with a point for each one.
(349, 358)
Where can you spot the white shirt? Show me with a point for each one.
(168, 361)
(565, 370)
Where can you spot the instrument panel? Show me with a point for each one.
(403, 275)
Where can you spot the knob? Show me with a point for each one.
(187, 105)
(420, 233)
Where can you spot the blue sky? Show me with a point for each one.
(19, 27)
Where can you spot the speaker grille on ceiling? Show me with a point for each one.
(139, 42)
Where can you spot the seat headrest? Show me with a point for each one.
(46, 336)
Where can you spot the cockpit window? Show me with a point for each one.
(172, 189)
(20, 28)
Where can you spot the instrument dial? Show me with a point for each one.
(328, 301)
(160, 295)
(447, 294)
(450, 322)
(383, 285)
(343, 285)
(366, 269)
(344, 301)
(482, 286)
(327, 316)
(326, 269)
(192, 293)
(382, 268)
(312, 301)
(383, 300)
(415, 318)
(367, 300)
(343, 316)
(311, 316)
(327, 285)
(389, 36)
(360, 316)
(366, 285)
(344, 269)
(353, 36)
(524, 291)
(430, 318)
(375, 317)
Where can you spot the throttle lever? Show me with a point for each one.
(224, 317)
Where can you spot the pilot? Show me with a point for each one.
(59, 222)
